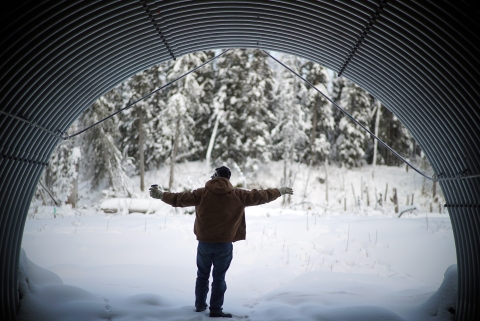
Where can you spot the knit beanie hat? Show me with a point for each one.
(222, 172)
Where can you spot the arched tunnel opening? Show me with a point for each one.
(419, 59)
(318, 248)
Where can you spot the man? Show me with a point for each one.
(219, 221)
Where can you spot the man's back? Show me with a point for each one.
(220, 208)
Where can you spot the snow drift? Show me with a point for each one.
(45, 297)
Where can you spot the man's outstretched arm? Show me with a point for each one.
(258, 197)
(183, 199)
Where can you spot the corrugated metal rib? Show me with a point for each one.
(421, 59)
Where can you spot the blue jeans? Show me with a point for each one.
(220, 255)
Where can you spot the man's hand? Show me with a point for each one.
(285, 190)
(155, 192)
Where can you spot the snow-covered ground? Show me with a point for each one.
(309, 261)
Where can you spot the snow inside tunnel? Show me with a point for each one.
(297, 263)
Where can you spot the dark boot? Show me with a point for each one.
(219, 314)
(200, 309)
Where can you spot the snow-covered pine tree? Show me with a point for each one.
(204, 116)
(258, 118)
(396, 135)
(244, 104)
(177, 123)
(290, 138)
(230, 103)
(138, 123)
(104, 163)
(132, 124)
(62, 171)
(350, 141)
(157, 152)
(321, 112)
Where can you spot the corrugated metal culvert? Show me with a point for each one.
(420, 58)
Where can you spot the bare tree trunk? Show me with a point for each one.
(326, 180)
(290, 183)
(361, 188)
(375, 142)
(287, 169)
(141, 152)
(72, 198)
(386, 192)
(284, 200)
(208, 157)
(307, 180)
(395, 199)
(174, 155)
(354, 198)
(368, 195)
(314, 128)
(423, 166)
(290, 171)
(312, 147)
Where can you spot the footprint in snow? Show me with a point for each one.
(107, 309)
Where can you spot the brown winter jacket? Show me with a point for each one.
(220, 208)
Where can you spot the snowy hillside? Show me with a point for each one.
(309, 260)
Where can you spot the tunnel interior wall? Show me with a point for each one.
(420, 58)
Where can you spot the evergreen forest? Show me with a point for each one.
(242, 110)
